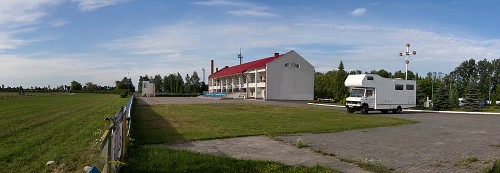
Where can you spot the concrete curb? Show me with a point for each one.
(454, 112)
(427, 111)
(329, 105)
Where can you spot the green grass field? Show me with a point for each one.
(178, 123)
(63, 128)
(162, 159)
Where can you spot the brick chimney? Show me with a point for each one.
(211, 67)
(217, 69)
(276, 55)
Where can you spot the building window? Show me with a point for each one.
(292, 64)
(369, 77)
(410, 87)
(399, 87)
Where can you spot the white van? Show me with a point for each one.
(373, 92)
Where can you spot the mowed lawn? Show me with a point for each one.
(64, 128)
(177, 123)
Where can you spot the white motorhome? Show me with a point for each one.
(373, 92)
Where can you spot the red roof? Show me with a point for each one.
(242, 67)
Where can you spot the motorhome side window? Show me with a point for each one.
(410, 87)
(287, 64)
(369, 77)
(399, 87)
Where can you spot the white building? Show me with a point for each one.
(280, 77)
(148, 88)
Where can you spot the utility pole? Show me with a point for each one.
(407, 62)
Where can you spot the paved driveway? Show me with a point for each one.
(435, 144)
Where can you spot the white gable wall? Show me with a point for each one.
(289, 83)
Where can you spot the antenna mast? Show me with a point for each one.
(240, 56)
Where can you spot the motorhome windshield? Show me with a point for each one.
(357, 92)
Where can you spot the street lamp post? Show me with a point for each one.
(203, 69)
(407, 62)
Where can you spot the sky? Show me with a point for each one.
(53, 42)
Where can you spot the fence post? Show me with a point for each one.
(106, 123)
(124, 131)
(110, 139)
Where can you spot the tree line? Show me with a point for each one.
(48, 88)
(471, 80)
(122, 87)
(175, 83)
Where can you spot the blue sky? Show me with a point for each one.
(52, 42)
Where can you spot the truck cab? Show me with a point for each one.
(360, 99)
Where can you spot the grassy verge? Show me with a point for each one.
(36, 130)
(160, 159)
(176, 123)
(466, 161)
(495, 168)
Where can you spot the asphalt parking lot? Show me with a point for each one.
(436, 144)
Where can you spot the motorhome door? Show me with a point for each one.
(370, 99)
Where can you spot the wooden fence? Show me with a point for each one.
(114, 139)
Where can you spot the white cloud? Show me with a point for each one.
(245, 8)
(220, 3)
(58, 23)
(362, 47)
(257, 13)
(89, 5)
(358, 12)
(14, 13)
(7, 42)
(17, 17)
(43, 70)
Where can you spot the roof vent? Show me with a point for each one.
(276, 55)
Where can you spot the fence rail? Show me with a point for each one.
(114, 138)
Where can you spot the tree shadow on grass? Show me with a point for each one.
(150, 127)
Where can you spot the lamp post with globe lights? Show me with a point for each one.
(407, 62)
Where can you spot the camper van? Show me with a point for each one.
(373, 92)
